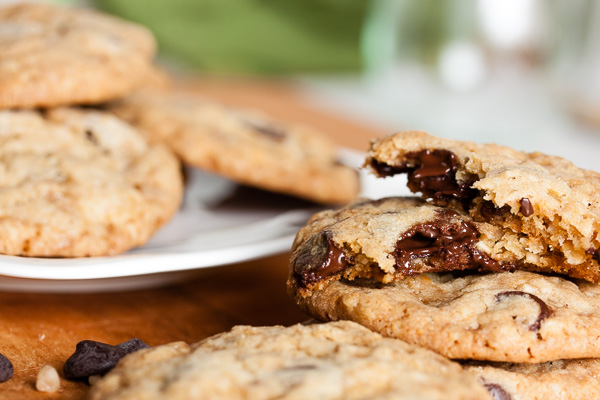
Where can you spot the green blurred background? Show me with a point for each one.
(248, 37)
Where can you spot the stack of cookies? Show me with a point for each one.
(77, 180)
(496, 266)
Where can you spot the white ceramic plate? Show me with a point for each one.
(220, 223)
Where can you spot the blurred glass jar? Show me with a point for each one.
(575, 62)
(461, 42)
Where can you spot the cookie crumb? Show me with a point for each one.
(92, 379)
(47, 380)
(41, 337)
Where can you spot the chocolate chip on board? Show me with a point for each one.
(96, 358)
(6, 368)
(133, 345)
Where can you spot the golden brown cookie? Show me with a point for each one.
(51, 55)
(243, 145)
(516, 316)
(340, 360)
(77, 182)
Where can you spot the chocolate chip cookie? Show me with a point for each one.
(339, 360)
(553, 380)
(245, 146)
(548, 208)
(51, 55)
(78, 182)
(390, 238)
(508, 316)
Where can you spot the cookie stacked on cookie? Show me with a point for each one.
(76, 181)
(92, 134)
(498, 263)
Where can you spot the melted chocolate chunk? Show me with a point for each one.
(6, 368)
(432, 172)
(435, 176)
(526, 207)
(450, 244)
(497, 392)
(271, 131)
(96, 358)
(595, 253)
(320, 258)
(545, 311)
(385, 170)
(488, 210)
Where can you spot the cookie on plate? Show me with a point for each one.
(51, 55)
(77, 182)
(545, 203)
(242, 145)
(340, 360)
(508, 316)
(553, 380)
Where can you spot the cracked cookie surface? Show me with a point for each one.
(545, 204)
(340, 360)
(51, 55)
(509, 316)
(243, 145)
(77, 182)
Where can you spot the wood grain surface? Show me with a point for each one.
(40, 329)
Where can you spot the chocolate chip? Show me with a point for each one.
(6, 368)
(91, 137)
(526, 207)
(595, 253)
(273, 132)
(320, 258)
(545, 311)
(488, 210)
(385, 170)
(450, 244)
(133, 345)
(301, 367)
(96, 358)
(497, 392)
(432, 172)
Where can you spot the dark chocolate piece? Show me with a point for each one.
(89, 134)
(96, 358)
(488, 210)
(320, 258)
(271, 131)
(545, 311)
(6, 368)
(385, 170)
(432, 172)
(497, 392)
(133, 345)
(526, 207)
(450, 244)
(595, 253)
